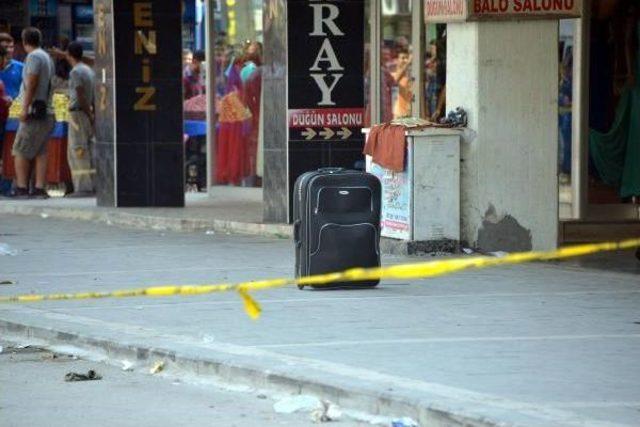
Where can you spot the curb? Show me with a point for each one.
(150, 222)
(248, 372)
(159, 223)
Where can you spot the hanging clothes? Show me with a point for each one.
(616, 153)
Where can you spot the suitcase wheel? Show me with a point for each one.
(301, 287)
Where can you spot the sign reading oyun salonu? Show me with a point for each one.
(470, 10)
(325, 69)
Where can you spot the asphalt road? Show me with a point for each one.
(33, 393)
(536, 344)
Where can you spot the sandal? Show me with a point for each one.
(39, 193)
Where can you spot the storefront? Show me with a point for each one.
(600, 184)
(58, 20)
(293, 84)
(520, 69)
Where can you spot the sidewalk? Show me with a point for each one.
(224, 210)
(529, 345)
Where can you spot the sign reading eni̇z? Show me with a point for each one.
(148, 60)
(474, 10)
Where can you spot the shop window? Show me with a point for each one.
(614, 103)
(237, 98)
(396, 55)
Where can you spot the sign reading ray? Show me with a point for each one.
(325, 63)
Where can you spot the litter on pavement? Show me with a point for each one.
(404, 422)
(91, 375)
(5, 249)
(157, 367)
(328, 412)
(292, 404)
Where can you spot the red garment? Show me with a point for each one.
(5, 103)
(231, 153)
(387, 145)
(251, 89)
(232, 160)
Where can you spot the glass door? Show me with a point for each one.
(599, 149)
(396, 57)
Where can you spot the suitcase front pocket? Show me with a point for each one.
(341, 247)
(344, 200)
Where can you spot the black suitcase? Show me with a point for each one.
(336, 218)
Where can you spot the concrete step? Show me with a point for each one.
(576, 231)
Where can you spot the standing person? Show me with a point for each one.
(440, 79)
(5, 103)
(402, 77)
(62, 64)
(193, 76)
(11, 71)
(36, 120)
(251, 77)
(564, 115)
(187, 57)
(433, 83)
(5, 99)
(80, 147)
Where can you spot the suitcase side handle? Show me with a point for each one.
(296, 233)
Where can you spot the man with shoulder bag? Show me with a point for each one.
(36, 120)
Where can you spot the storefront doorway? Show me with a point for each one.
(599, 122)
(226, 80)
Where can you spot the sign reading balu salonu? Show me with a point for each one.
(473, 10)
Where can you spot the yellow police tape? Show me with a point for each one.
(402, 271)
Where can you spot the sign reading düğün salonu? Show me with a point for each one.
(325, 69)
(470, 10)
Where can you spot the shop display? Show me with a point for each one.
(60, 107)
(57, 167)
(195, 108)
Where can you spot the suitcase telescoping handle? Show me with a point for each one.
(330, 170)
(296, 233)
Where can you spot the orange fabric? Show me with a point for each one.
(387, 145)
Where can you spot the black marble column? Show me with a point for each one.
(139, 148)
(288, 85)
(276, 174)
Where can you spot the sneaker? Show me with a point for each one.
(18, 193)
(39, 193)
